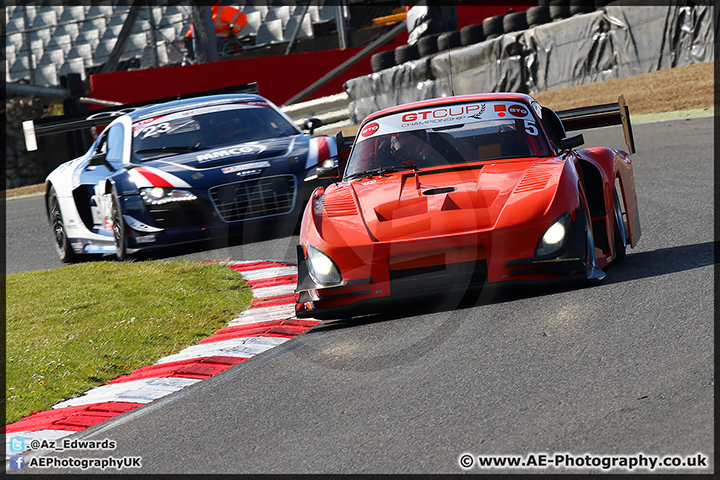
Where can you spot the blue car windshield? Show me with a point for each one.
(207, 127)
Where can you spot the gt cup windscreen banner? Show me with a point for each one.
(449, 115)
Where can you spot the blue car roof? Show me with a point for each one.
(177, 105)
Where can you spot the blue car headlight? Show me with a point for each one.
(322, 269)
(554, 236)
(162, 195)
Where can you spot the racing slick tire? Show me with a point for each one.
(119, 230)
(62, 244)
(620, 230)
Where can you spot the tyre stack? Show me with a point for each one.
(559, 9)
(449, 40)
(546, 11)
(382, 60)
(538, 15)
(472, 34)
(514, 22)
(579, 7)
(406, 53)
(428, 45)
(493, 26)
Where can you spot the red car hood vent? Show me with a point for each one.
(340, 202)
(537, 177)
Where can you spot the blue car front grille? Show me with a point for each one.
(252, 199)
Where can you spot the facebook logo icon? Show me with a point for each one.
(17, 462)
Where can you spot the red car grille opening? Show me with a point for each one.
(438, 277)
(257, 198)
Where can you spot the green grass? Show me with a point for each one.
(77, 327)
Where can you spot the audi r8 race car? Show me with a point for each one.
(463, 191)
(182, 171)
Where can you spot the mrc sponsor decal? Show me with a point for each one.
(242, 150)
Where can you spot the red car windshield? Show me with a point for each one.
(431, 135)
(463, 143)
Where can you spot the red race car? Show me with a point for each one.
(457, 192)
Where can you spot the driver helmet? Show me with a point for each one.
(223, 126)
(408, 146)
(227, 128)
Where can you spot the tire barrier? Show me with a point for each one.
(576, 50)
(579, 7)
(428, 45)
(471, 34)
(538, 15)
(493, 26)
(406, 53)
(559, 9)
(515, 22)
(382, 60)
(449, 40)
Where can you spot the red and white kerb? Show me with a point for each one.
(268, 322)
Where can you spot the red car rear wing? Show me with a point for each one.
(103, 116)
(600, 116)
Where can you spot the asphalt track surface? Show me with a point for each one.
(621, 368)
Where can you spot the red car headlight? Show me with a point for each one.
(554, 236)
(322, 269)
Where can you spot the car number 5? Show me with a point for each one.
(530, 127)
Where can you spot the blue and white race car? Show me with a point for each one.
(182, 171)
